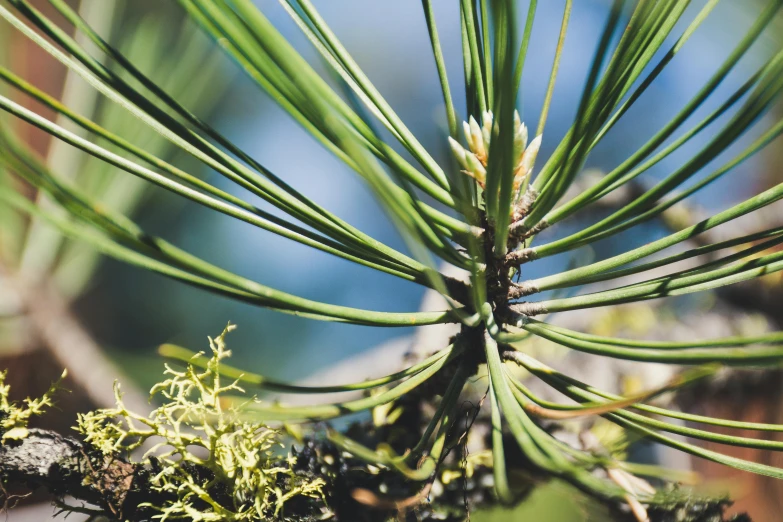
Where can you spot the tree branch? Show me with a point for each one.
(64, 466)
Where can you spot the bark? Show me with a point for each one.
(64, 466)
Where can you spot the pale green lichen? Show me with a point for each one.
(192, 432)
(13, 417)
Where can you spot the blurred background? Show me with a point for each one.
(102, 318)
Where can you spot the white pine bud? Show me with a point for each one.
(458, 152)
(477, 141)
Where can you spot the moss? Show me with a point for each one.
(674, 504)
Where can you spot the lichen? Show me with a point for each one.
(213, 463)
(14, 417)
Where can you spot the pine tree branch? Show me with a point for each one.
(63, 466)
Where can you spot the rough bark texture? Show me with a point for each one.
(64, 466)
